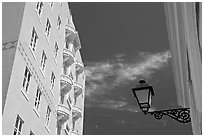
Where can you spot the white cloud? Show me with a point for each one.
(112, 104)
(103, 77)
(120, 57)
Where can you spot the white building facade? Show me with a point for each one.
(43, 80)
(184, 21)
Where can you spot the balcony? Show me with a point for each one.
(68, 57)
(79, 67)
(62, 114)
(78, 88)
(66, 84)
(70, 34)
(74, 133)
(76, 113)
(67, 129)
(76, 42)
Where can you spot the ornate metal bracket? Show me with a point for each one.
(182, 115)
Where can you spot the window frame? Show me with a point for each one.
(26, 79)
(43, 61)
(18, 126)
(56, 49)
(59, 22)
(31, 132)
(39, 7)
(48, 115)
(38, 99)
(48, 28)
(51, 5)
(52, 79)
(34, 40)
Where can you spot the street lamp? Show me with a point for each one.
(144, 93)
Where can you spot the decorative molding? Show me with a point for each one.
(36, 77)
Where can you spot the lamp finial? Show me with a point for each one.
(142, 81)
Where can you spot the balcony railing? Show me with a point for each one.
(79, 67)
(62, 114)
(70, 28)
(68, 57)
(74, 133)
(72, 36)
(70, 33)
(77, 42)
(76, 113)
(66, 84)
(78, 89)
(67, 129)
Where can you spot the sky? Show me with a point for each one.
(121, 44)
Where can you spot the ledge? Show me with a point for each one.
(24, 94)
(36, 112)
(55, 60)
(47, 38)
(58, 32)
(48, 130)
(32, 52)
(51, 91)
(38, 16)
(42, 72)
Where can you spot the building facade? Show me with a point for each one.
(43, 80)
(184, 21)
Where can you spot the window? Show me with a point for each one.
(52, 80)
(56, 49)
(43, 61)
(73, 125)
(39, 7)
(31, 133)
(75, 100)
(48, 115)
(48, 27)
(71, 75)
(26, 79)
(59, 22)
(37, 98)
(67, 129)
(51, 4)
(68, 72)
(70, 100)
(62, 98)
(18, 126)
(70, 47)
(34, 39)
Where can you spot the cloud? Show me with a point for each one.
(103, 77)
(120, 57)
(111, 104)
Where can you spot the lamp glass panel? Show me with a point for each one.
(145, 109)
(150, 99)
(142, 95)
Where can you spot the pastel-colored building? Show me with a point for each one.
(184, 21)
(43, 81)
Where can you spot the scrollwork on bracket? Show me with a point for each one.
(182, 115)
